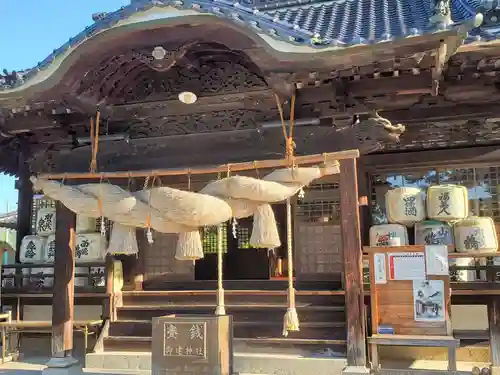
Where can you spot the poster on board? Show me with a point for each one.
(407, 266)
(428, 300)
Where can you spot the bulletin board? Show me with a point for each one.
(410, 290)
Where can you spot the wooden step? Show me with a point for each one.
(247, 329)
(233, 297)
(276, 284)
(143, 344)
(247, 312)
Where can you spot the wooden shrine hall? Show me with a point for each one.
(181, 93)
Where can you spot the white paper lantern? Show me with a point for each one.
(32, 249)
(433, 232)
(405, 205)
(447, 202)
(46, 221)
(388, 235)
(90, 247)
(476, 235)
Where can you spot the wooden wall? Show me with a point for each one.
(159, 259)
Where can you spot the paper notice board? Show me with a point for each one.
(406, 266)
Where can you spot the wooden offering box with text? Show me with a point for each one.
(402, 302)
(192, 345)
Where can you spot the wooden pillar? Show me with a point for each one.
(364, 203)
(64, 283)
(24, 204)
(353, 264)
(494, 323)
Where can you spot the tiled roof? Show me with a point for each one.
(340, 23)
(8, 220)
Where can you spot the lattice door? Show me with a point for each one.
(318, 242)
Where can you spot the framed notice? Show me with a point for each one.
(380, 268)
(406, 266)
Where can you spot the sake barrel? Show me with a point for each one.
(49, 251)
(98, 276)
(447, 202)
(433, 232)
(476, 235)
(85, 224)
(90, 247)
(81, 281)
(405, 205)
(463, 275)
(388, 235)
(46, 221)
(42, 277)
(32, 249)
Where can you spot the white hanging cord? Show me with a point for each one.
(291, 319)
(221, 308)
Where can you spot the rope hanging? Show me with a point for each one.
(149, 233)
(291, 319)
(221, 308)
(94, 141)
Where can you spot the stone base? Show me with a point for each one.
(61, 366)
(356, 370)
(495, 370)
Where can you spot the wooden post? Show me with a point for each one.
(353, 264)
(364, 204)
(24, 204)
(494, 323)
(64, 283)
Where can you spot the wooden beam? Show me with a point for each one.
(64, 283)
(471, 156)
(494, 323)
(234, 167)
(353, 264)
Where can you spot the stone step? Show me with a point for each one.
(244, 363)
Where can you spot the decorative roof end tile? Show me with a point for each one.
(440, 14)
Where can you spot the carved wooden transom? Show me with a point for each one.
(137, 76)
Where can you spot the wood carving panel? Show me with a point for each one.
(126, 79)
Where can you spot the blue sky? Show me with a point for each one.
(29, 31)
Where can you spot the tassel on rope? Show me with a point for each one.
(189, 245)
(94, 141)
